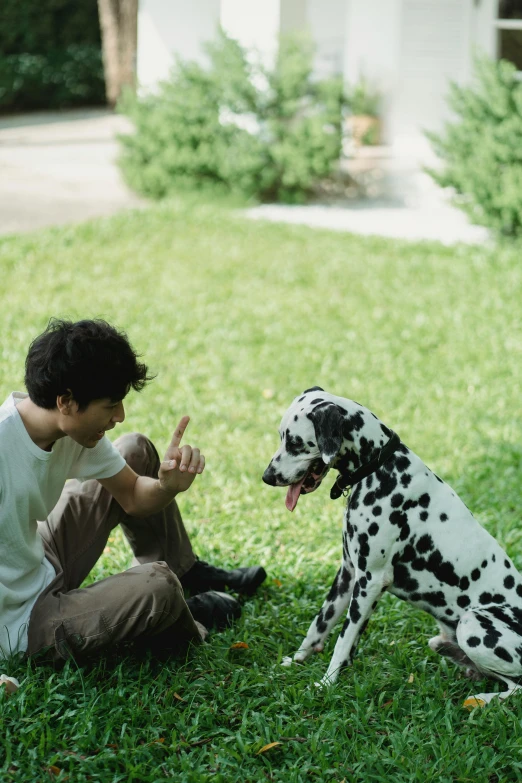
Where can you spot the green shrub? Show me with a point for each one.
(481, 150)
(69, 77)
(50, 54)
(236, 126)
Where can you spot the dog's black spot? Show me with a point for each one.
(369, 499)
(488, 598)
(405, 480)
(484, 564)
(507, 563)
(363, 582)
(424, 500)
(311, 443)
(294, 444)
(509, 582)
(345, 580)
(376, 511)
(464, 583)
(519, 591)
(493, 558)
(345, 627)
(514, 623)
(296, 417)
(403, 579)
(473, 641)
(408, 554)
(438, 479)
(356, 590)
(501, 652)
(423, 516)
(329, 613)
(449, 612)
(355, 614)
(443, 517)
(425, 544)
(373, 529)
(409, 504)
(475, 574)
(435, 599)
(397, 500)
(463, 601)
(401, 463)
(369, 481)
(386, 484)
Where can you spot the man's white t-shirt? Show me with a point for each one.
(31, 482)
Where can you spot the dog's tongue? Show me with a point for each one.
(292, 496)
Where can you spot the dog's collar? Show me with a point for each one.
(345, 479)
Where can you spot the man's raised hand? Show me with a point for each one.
(181, 464)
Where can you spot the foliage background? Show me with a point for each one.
(236, 126)
(480, 148)
(50, 54)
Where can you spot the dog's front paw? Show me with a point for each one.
(324, 682)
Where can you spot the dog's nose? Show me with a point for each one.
(269, 476)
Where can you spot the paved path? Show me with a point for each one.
(58, 168)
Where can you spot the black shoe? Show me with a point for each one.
(203, 576)
(214, 610)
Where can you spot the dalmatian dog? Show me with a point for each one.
(405, 531)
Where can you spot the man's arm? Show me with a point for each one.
(141, 496)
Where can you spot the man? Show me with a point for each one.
(77, 376)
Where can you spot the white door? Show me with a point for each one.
(435, 41)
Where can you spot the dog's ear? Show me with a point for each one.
(328, 425)
(314, 388)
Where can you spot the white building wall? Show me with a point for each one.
(172, 27)
(326, 22)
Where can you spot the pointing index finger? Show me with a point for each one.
(179, 431)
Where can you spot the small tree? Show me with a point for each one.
(272, 133)
(481, 150)
(119, 33)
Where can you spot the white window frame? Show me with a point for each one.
(506, 24)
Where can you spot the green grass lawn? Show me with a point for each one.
(236, 318)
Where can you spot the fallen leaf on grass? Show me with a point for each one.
(239, 646)
(53, 770)
(267, 747)
(411, 678)
(178, 697)
(277, 582)
(471, 702)
(387, 703)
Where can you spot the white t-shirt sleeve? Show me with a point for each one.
(103, 461)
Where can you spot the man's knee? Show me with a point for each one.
(139, 452)
(161, 584)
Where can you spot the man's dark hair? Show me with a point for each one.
(90, 359)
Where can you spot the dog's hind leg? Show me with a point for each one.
(335, 604)
(491, 639)
(446, 645)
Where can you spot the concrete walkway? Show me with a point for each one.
(59, 168)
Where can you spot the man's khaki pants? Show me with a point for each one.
(144, 603)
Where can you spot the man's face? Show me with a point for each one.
(88, 427)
